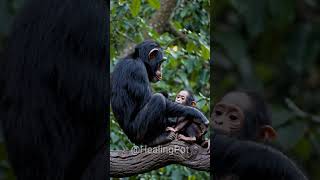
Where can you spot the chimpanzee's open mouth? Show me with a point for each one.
(159, 73)
(159, 78)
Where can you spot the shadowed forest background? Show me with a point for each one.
(273, 47)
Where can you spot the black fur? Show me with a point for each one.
(256, 117)
(54, 104)
(190, 98)
(249, 160)
(142, 115)
(192, 129)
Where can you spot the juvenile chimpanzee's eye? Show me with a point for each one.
(218, 113)
(182, 98)
(153, 53)
(233, 117)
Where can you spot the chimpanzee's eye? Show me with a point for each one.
(233, 117)
(218, 113)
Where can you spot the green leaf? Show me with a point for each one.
(154, 3)
(290, 135)
(190, 46)
(281, 116)
(303, 148)
(205, 52)
(177, 25)
(135, 7)
(282, 12)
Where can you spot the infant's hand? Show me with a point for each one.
(171, 129)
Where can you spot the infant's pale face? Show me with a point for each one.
(182, 97)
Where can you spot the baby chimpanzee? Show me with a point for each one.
(239, 120)
(187, 129)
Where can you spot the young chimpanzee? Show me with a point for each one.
(187, 129)
(243, 115)
(239, 119)
(142, 115)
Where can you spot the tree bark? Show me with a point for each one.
(160, 21)
(131, 162)
(161, 18)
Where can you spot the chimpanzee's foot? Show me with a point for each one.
(187, 139)
(163, 139)
(171, 129)
(205, 144)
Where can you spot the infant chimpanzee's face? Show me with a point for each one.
(228, 114)
(182, 97)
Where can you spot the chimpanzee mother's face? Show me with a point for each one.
(151, 54)
(155, 59)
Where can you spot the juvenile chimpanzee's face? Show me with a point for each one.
(181, 97)
(228, 114)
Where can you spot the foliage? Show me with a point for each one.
(273, 47)
(186, 65)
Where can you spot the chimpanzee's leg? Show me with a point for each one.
(152, 121)
(188, 139)
(181, 123)
(190, 134)
(163, 138)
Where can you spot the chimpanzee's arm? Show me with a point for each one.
(174, 109)
(181, 123)
(249, 160)
(137, 80)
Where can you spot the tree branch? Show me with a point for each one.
(160, 20)
(300, 113)
(161, 17)
(140, 160)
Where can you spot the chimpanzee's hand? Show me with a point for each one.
(200, 117)
(205, 144)
(171, 129)
(203, 128)
(172, 136)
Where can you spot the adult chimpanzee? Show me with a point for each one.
(143, 116)
(53, 102)
(187, 129)
(239, 119)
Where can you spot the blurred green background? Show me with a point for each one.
(273, 47)
(186, 45)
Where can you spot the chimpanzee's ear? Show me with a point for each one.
(267, 133)
(153, 53)
(193, 104)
